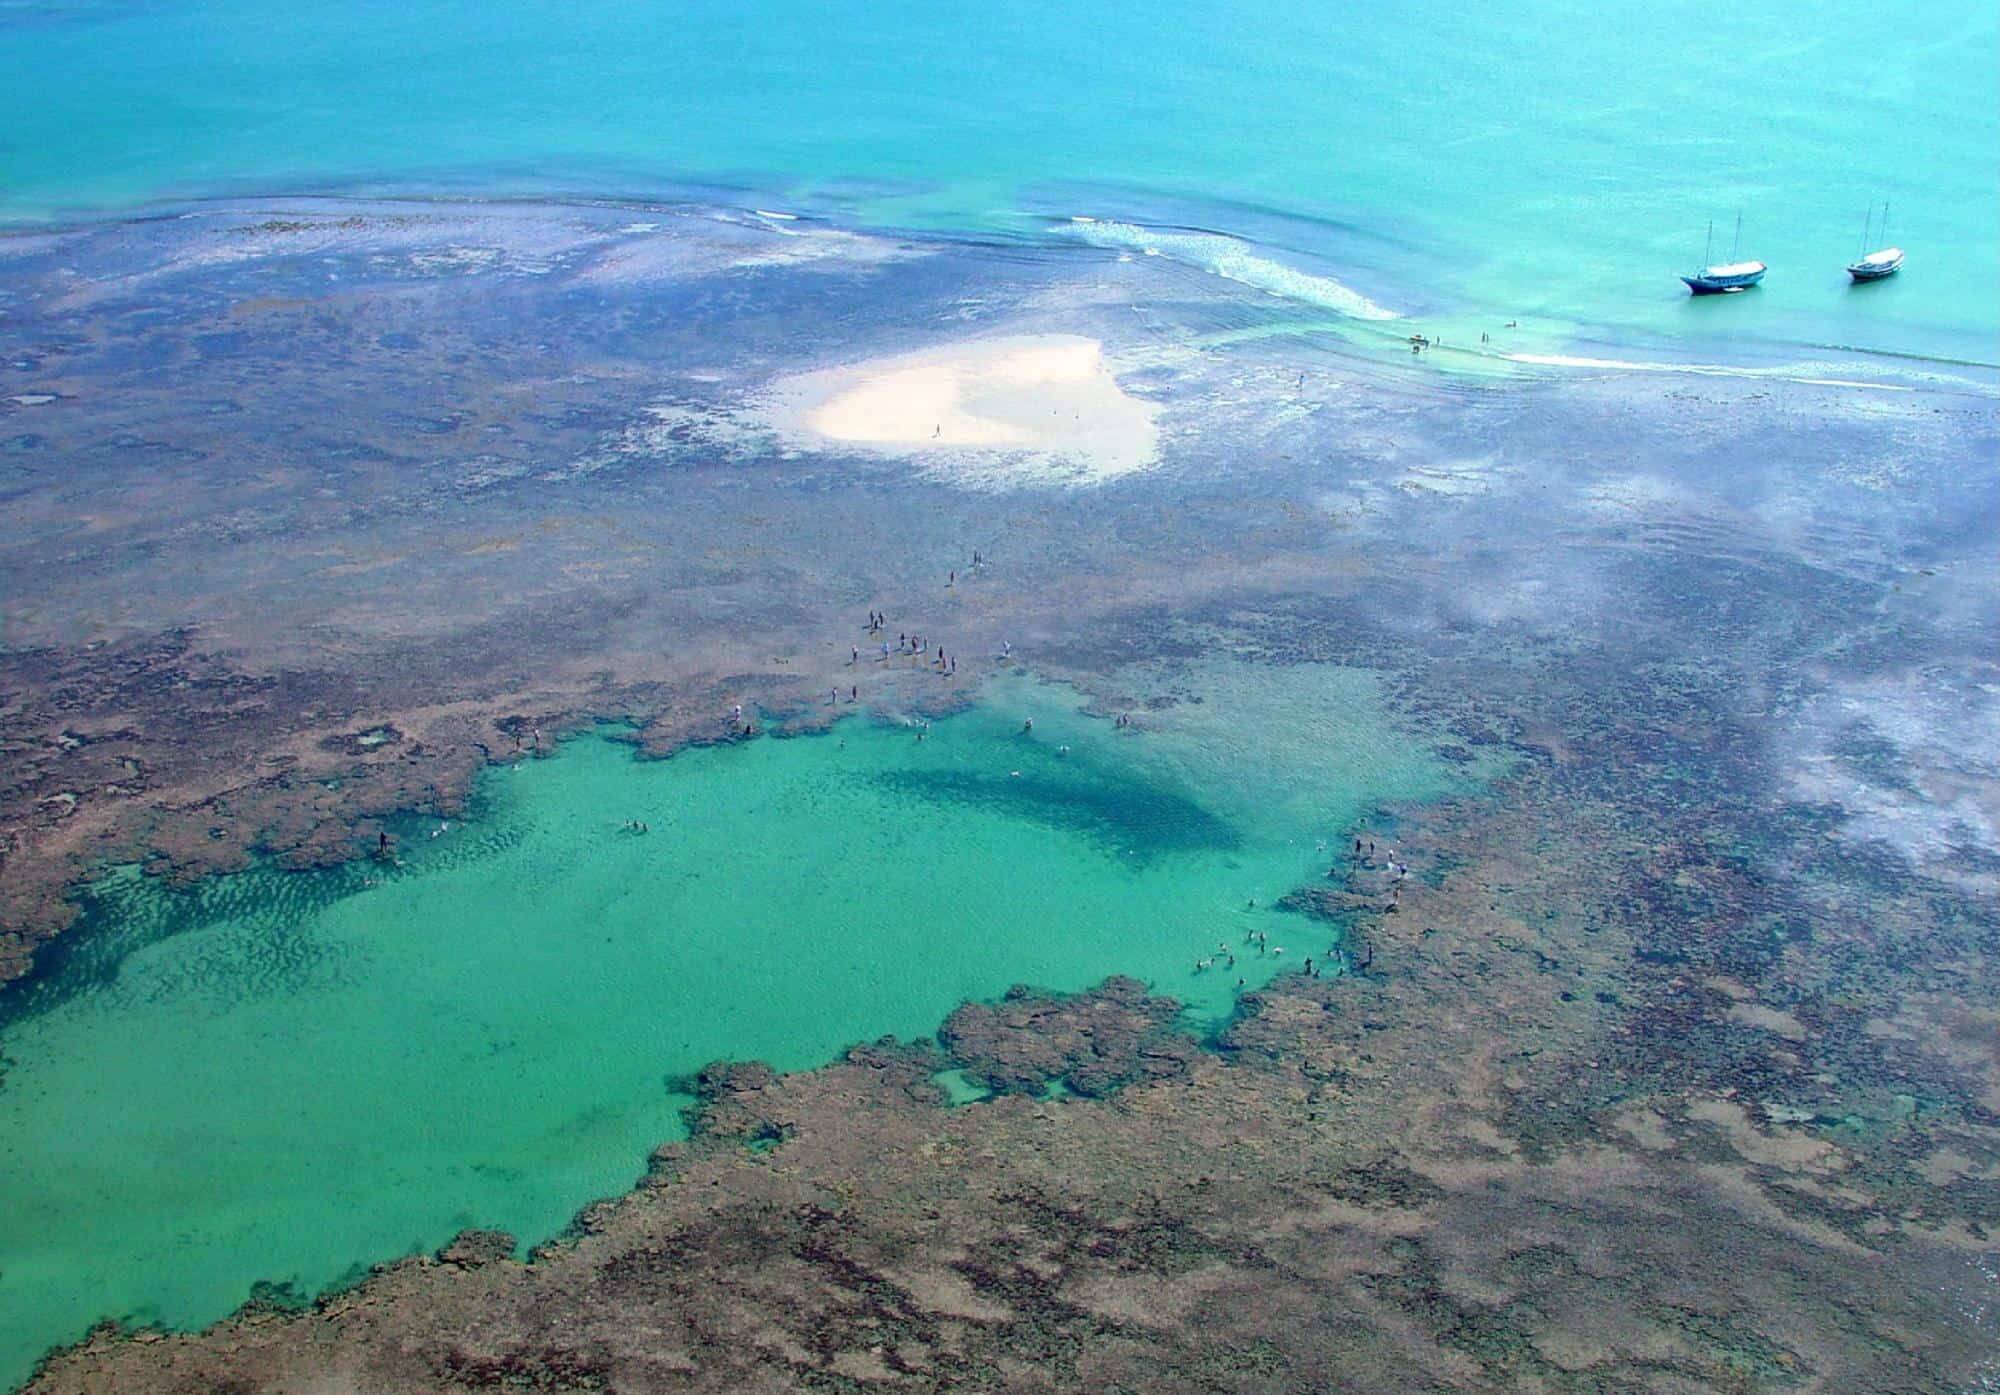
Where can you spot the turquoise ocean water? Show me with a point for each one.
(1554, 161)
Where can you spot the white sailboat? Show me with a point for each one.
(1884, 261)
(1728, 277)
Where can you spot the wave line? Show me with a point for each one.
(1232, 259)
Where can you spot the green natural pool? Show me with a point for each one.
(288, 1076)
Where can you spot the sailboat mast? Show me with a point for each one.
(1867, 222)
(1885, 222)
(1737, 244)
(1708, 247)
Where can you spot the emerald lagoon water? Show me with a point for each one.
(285, 1077)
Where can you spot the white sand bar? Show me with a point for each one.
(987, 413)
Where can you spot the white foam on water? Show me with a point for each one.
(1799, 374)
(1234, 260)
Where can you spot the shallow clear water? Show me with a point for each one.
(283, 1077)
(1549, 160)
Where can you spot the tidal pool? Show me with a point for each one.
(284, 1077)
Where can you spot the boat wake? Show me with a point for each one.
(1232, 259)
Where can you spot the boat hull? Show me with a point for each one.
(1874, 270)
(1721, 285)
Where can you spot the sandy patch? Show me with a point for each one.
(1948, 1165)
(1789, 1149)
(1767, 1019)
(1455, 479)
(985, 413)
(1646, 1129)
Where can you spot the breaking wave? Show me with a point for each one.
(1234, 260)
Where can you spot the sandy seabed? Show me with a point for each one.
(991, 413)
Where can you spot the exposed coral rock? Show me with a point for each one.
(470, 1249)
(1092, 1043)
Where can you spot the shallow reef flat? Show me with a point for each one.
(1669, 1066)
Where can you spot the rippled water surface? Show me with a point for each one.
(1545, 160)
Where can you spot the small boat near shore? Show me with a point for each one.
(1876, 265)
(1886, 261)
(1728, 277)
